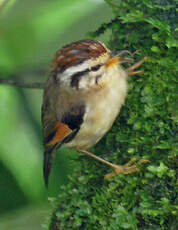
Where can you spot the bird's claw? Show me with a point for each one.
(128, 168)
(130, 71)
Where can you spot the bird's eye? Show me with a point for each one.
(95, 68)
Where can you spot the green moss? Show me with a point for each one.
(145, 128)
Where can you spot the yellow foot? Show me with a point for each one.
(128, 168)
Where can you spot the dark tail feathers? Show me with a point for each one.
(49, 155)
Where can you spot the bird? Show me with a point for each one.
(84, 93)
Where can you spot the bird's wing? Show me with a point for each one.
(58, 130)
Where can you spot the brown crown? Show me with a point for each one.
(76, 53)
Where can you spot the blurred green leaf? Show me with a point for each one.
(31, 217)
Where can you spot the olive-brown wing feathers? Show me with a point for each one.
(56, 133)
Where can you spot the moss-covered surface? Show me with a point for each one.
(145, 128)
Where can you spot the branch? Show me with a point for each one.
(34, 85)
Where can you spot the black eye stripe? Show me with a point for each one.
(96, 67)
(75, 78)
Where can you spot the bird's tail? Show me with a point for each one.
(49, 155)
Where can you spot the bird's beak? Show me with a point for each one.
(121, 56)
(118, 57)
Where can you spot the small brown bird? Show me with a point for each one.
(82, 98)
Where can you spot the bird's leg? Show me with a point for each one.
(97, 158)
(130, 71)
(128, 168)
